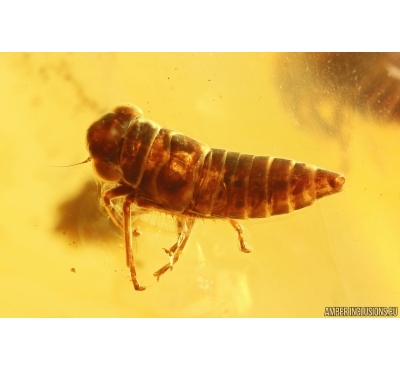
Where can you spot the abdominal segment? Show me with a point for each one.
(241, 186)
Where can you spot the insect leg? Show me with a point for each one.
(118, 192)
(239, 229)
(185, 225)
(127, 227)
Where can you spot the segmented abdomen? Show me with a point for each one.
(235, 185)
(176, 173)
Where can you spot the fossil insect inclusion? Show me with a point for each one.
(153, 168)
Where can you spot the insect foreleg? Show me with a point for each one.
(239, 229)
(185, 225)
(118, 192)
(127, 227)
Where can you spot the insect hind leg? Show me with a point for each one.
(185, 225)
(239, 229)
(115, 193)
(127, 227)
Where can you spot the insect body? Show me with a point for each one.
(156, 168)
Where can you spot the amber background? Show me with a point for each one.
(343, 251)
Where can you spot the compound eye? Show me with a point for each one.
(106, 171)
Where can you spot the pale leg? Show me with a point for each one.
(127, 227)
(185, 225)
(118, 192)
(239, 230)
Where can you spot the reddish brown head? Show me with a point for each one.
(104, 141)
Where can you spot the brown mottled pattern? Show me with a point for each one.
(237, 201)
(158, 156)
(135, 150)
(301, 186)
(278, 186)
(105, 137)
(200, 183)
(204, 200)
(177, 178)
(257, 188)
(104, 141)
(224, 190)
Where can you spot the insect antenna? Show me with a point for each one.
(70, 165)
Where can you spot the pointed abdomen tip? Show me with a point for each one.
(339, 182)
(327, 182)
